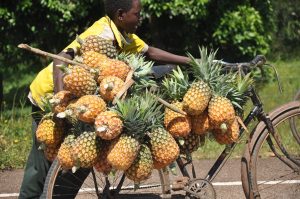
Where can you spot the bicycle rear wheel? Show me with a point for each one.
(92, 184)
(264, 174)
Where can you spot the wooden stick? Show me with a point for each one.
(128, 83)
(46, 54)
(170, 106)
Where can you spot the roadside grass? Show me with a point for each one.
(15, 136)
(15, 122)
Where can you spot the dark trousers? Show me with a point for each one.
(37, 167)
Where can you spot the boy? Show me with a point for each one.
(119, 25)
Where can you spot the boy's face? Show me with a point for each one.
(130, 20)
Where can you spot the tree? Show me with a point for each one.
(46, 24)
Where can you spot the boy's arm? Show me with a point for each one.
(165, 57)
(58, 74)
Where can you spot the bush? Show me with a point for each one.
(241, 33)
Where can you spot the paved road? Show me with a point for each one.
(227, 184)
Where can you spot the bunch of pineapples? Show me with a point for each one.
(86, 128)
(211, 102)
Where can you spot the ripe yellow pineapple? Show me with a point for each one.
(97, 44)
(221, 112)
(229, 136)
(123, 152)
(60, 101)
(80, 82)
(102, 164)
(205, 72)
(174, 87)
(50, 131)
(142, 166)
(163, 147)
(88, 107)
(86, 149)
(139, 114)
(200, 123)
(177, 124)
(93, 59)
(65, 151)
(108, 125)
(109, 87)
(196, 98)
(115, 68)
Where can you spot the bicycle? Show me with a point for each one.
(267, 133)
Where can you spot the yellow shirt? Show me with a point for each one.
(105, 28)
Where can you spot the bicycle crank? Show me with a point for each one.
(200, 188)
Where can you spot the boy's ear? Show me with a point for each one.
(120, 14)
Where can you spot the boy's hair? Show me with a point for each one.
(112, 6)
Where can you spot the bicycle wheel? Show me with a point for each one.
(92, 184)
(264, 175)
(293, 125)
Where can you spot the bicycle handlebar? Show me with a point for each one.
(258, 61)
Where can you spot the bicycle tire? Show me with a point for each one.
(293, 125)
(144, 191)
(251, 166)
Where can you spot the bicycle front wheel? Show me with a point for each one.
(270, 171)
(88, 183)
(293, 125)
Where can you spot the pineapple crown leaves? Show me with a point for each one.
(205, 68)
(139, 114)
(137, 63)
(175, 85)
(237, 93)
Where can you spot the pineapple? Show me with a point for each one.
(177, 124)
(102, 164)
(108, 125)
(174, 87)
(60, 101)
(205, 71)
(221, 112)
(88, 107)
(93, 59)
(229, 136)
(190, 143)
(86, 149)
(50, 152)
(50, 131)
(65, 151)
(97, 44)
(123, 152)
(200, 123)
(109, 87)
(79, 82)
(139, 115)
(164, 148)
(196, 98)
(142, 166)
(115, 68)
